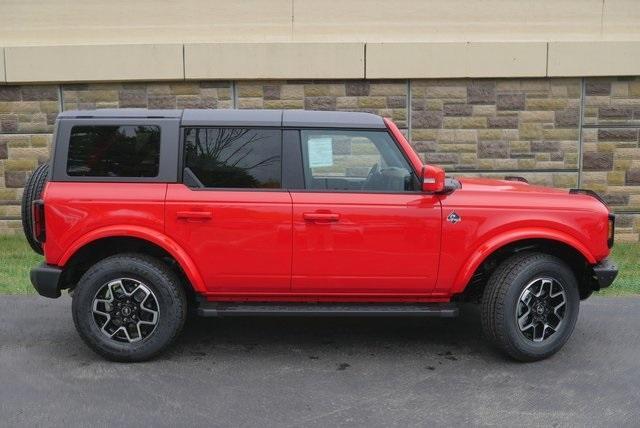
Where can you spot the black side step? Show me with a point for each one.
(250, 309)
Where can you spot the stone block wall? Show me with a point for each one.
(148, 95)
(562, 132)
(27, 117)
(385, 98)
(611, 148)
(528, 126)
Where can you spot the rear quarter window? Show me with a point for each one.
(114, 151)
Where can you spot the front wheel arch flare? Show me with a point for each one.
(499, 242)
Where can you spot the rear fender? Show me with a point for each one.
(150, 235)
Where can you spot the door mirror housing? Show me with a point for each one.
(432, 179)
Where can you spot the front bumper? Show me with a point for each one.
(604, 273)
(46, 280)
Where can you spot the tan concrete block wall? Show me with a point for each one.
(507, 125)
(318, 60)
(611, 147)
(2, 67)
(28, 108)
(274, 60)
(120, 40)
(194, 21)
(612, 101)
(487, 127)
(20, 154)
(27, 116)
(613, 58)
(385, 98)
(143, 21)
(620, 17)
(449, 60)
(87, 63)
(170, 95)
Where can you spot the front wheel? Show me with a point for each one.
(129, 307)
(530, 306)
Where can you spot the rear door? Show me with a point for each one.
(360, 223)
(230, 213)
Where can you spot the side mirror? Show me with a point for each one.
(432, 179)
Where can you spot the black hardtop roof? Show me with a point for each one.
(227, 117)
(121, 113)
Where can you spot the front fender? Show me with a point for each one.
(153, 236)
(491, 245)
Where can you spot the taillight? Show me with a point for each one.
(612, 230)
(39, 231)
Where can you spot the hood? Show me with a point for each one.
(481, 192)
(489, 185)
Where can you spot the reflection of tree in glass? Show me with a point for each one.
(115, 151)
(230, 158)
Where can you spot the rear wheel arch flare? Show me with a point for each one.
(82, 256)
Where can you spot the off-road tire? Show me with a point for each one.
(166, 287)
(32, 191)
(501, 296)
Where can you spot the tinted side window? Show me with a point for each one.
(355, 161)
(114, 151)
(234, 157)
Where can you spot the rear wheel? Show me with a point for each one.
(129, 307)
(530, 306)
(33, 191)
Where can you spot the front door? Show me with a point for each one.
(361, 225)
(230, 213)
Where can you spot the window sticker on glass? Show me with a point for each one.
(320, 152)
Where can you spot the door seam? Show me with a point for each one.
(292, 245)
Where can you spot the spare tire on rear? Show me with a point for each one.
(32, 192)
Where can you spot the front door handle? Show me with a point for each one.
(321, 217)
(194, 215)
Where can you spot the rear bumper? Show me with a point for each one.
(46, 280)
(604, 273)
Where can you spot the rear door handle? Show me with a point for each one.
(194, 215)
(321, 217)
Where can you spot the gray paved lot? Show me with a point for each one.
(319, 372)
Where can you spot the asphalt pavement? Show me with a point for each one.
(319, 372)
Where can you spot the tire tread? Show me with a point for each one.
(32, 191)
(173, 287)
(494, 298)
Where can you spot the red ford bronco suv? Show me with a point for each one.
(145, 214)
